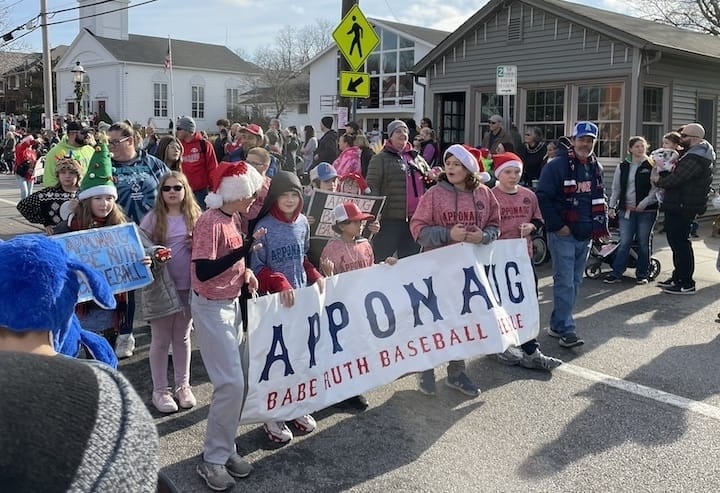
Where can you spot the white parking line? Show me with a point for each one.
(643, 391)
(8, 201)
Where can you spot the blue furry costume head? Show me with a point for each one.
(39, 286)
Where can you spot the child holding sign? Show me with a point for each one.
(519, 217)
(349, 251)
(166, 301)
(282, 264)
(460, 208)
(97, 208)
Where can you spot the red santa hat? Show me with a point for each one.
(232, 181)
(357, 178)
(506, 160)
(470, 159)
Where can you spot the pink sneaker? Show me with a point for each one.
(185, 397)
(163, 401)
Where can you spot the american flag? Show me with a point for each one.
(168, 60)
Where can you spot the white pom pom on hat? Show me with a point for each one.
(232, 181)
(470, 158)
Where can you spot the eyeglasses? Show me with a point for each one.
(492, 122)
(688, 135)
(167, 188)
(117, 142)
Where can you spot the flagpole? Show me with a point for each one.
(172, 87)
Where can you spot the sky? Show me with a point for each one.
(244, 24)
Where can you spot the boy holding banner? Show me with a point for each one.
(217, 275)
(282, 264)
(460, 208)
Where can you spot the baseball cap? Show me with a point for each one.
(585, 129)
(349, 211)
(323, 172)
(78, 127)
(253, 129)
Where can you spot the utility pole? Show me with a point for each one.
(47, 68)
(344, 65)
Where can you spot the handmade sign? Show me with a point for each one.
(114, 251)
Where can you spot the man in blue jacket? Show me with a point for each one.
(571, 195)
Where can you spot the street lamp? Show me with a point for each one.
(78, 78)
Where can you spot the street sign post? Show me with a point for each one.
(355, 37)
(354, 85)
(506, 82)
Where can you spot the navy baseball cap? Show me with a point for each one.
(585, 129)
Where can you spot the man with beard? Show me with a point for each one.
(77, 144)
(571, 195)
(686, 192)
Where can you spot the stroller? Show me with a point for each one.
(603, 253)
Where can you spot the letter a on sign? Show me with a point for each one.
(355, 37)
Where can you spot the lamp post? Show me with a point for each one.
(78, 78)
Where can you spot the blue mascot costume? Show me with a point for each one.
(39, 286)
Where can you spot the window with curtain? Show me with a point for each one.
(160, 99)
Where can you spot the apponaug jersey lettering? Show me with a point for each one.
(463, 217)
(286, 252)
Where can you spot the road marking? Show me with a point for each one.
(9, 202)
(643, 391)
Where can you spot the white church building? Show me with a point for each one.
(125, 76)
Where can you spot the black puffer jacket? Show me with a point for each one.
(688, 186)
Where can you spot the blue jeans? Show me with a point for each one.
(637, 227)
(26, 187)
(569, 257)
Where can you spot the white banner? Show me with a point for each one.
(372, 326)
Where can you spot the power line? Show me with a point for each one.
(54, 12)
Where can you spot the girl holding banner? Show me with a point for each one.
(460, 208)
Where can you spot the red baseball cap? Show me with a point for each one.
(253, 129)
(349, 211)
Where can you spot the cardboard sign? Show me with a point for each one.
(321, 205)
(116, 252)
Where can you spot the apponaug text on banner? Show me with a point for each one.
(374, 325)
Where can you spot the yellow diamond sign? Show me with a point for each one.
(355, 37)
(354, 85)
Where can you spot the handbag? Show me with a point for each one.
(22, 168)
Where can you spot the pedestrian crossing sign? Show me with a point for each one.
(355, 37)
(354, 85)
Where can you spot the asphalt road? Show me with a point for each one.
(637, 408)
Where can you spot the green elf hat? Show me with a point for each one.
(98, 179)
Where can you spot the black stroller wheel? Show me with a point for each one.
(540, 250)
(655, 268)
(594, 270)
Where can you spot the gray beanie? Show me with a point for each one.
(396, 125)
(186, 123)
(69, 425)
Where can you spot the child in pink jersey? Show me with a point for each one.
(458, 209)
(519, 217)
(349, 251)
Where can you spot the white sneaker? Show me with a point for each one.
(277, 431)
(305, 423)
(124, 345)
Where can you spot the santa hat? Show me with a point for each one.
(470, 159)
(357, 178)
(506, 160)
(98, 179)
(39, 286)
(349, 211)
(232, 181)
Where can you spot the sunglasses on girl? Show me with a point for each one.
(167, 188)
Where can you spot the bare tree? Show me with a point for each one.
(698, 15)
(280, 80)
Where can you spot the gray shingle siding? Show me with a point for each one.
(583, 56)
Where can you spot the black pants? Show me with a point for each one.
(677, 230)
(394, 237)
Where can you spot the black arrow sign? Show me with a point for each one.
(353, 84)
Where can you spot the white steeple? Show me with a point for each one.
(111, 25)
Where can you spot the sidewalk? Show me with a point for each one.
(11, 222)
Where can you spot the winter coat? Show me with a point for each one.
(688, 186)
